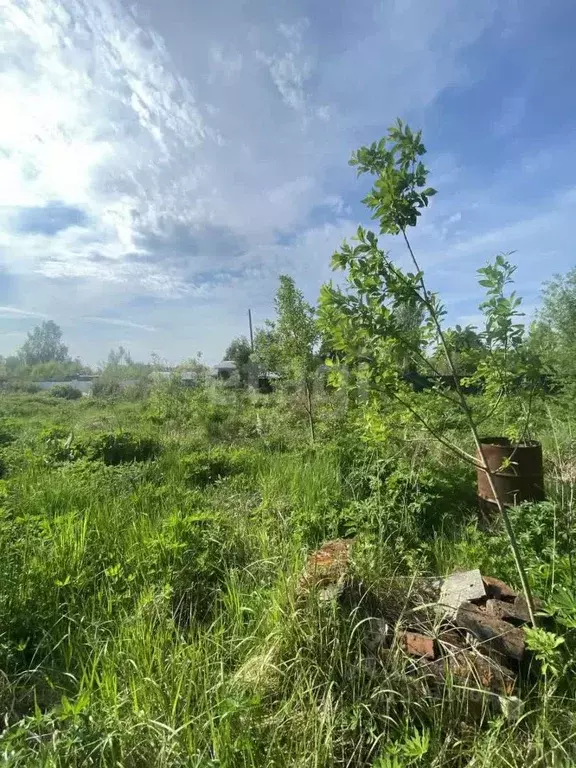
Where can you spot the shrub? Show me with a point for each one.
(22, 387)
(58, 445)
(66, 392)
(109, 447)
(120, 447)
(7, 433)
(106, 387)
(205, 467)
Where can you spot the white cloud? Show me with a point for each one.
(93, 116)
(226, 64)
(15, 312)
(120, 323)
(291, 69)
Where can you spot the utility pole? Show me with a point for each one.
(251, 332)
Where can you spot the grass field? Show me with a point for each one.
(150, 553)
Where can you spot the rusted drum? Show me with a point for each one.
(519, 472)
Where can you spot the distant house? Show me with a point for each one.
(190, 378)
(224, 370)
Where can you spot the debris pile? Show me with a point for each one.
(468, 627)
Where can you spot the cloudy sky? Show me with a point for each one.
(163, 161)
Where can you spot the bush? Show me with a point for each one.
(66, 392)
(21, 387)
(106, 387)
(7, 433)
(120, 447)
(205, 467)
(109, 447)
(59, 445)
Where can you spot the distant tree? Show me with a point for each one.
(120, 373)
(408, 317)
(266, 349)
(553, 333)
(240, 351)
(12, 363)
(559, 305)
(44, 345)
(288, 346)
(119, 356)
(467, 347)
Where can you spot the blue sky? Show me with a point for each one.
(161, 163)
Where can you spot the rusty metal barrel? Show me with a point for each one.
(518, 473)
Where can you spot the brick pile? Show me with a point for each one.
(468, 626)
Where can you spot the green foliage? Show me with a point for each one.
(363, 322)
(400, 191)
(112, 448)
(407, 751)
(120, 376)
(107, 386)
(44, 345)
(500, 310)
(545, 646)
(120, 447)
(368, 321)
(66, 391)
(510, 373)
(148, 608)
(468, 351)
(289, 346)
(8, 431)
(553, 334)
(240, 351)
(203, 468)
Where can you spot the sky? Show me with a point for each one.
(162, 163)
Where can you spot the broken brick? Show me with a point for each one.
(469, 668)
(494, 634)
(415, 644)
(327, 567)
(498, 590)
(515, 613)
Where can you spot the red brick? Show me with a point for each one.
(493, 634)
(473, 671)
(516, 612)
(415, 644)
(326, 566)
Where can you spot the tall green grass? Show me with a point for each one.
(147, 619)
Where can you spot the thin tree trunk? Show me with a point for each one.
(479, 447)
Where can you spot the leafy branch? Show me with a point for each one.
(363, 320)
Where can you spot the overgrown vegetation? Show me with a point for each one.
(153, 535)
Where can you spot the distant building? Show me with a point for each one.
(224, 370)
